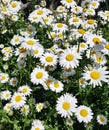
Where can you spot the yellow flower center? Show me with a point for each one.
(99, 59)
(96, 40)
(3, 77)
(69, 1)
(16, 39)
(107, 46)
(90, 21)
(95, 75)
(61, 8)
(82, 45)
(94, 4)
(8, 107)
(81, 31)
(36, 51)
(69, 57)
(37, 128)
(81, 81)
(49, 59)
(84, 112)
(22, 50)
(39, 75)
(14, 5)
(7, 50)
(66, 105)
(40, 107)
(102, 119)
(59, 25)
(48, 82)
(40, 12)
(30, 42)
(56, 85)
(24, 90)
(24, 110)
(18, 98)
(68, 69)
(7, 95)
(53, 36)
(84, 9)
(29, 31)
(60, 35)
(75, 20)
(46, 20)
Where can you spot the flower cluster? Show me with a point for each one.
(54, 66)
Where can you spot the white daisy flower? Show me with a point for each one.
(68, 72)
(30, 43)
(48, 59)
(76, 10)
(16, 40)
(30, 31)
(96, 75)
(66, 105)
(18, 100)
(13, 81)
(25, 109)
(69, 58)
(14, 6)
(4, 77)
(69, 121)
(61, 9)
(60, 27)
(56, 86)
(39, 76)
(94, 4)
(106, 49)
(69, 3)
(8, 107)
(39, 106)
(5, 95)
(21, 51)
(84, 114)
(25, 89)
(14, 17)
(101, 119)
(37, 125)
(7, 51)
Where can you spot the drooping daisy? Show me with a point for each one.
(4, 77)
(101, 119)
(21, 51)
(25, 89)
(56, 86)
(30, 31)
(39, 106)
(25, 109)
(84, 114)
(95, 75)
(16, 40)
(39, 76)
(18, 100)
(13, 81)
(21, 64)
(69, 121)
(5, 95)
(37, 125)
(30, 43)
(68, 3)
(8, 107)
(66, 105)
(68, 71)
(69, 58)
(48, 59)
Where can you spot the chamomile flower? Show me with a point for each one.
(68, 3)
(39, 76)
(60, 27)
(101, 119)
(5, 95)
(25, 89)
(30, 43)
(94, 4)
(95, 75)
(84, 114)
(25, 109)
(8, 107)
(39, 107)
(48, 59)
(16, 40)
(18, 100)
(4, 77)
(66, 105)
(37, 125)
(13, 81)
(69, 58)
(56, 86)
